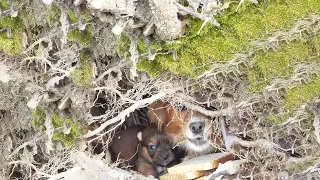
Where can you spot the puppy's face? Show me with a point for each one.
(158, 149)
(196, 129)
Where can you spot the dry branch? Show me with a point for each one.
(316, 124)
(31, 165)
(121, 116)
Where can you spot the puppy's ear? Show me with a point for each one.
(139, 136)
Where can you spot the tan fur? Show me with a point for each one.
(146, 169)
(176, 124)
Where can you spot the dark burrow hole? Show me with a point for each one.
(138, 117)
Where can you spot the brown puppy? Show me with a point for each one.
(189, 129)
(125, 145)
(147, 150)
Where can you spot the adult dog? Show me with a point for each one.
(190, 129)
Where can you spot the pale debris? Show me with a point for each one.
(34, 101)
(117, 7)
(49, 133)
(165, 14)
(86, 168)
(47, 2)
(5, 77)
(230, 167)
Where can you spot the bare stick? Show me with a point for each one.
(46, 38)
(32, 166)
(227, 141)
(208, 112)
(316, 124)
(124, 113)
(197, 15)
(119, 66)
(25, 144)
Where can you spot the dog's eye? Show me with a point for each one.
(152, 147)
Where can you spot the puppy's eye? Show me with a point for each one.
(152, 147)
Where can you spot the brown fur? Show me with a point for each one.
(125, 146)
(176, 124)
(144, 160)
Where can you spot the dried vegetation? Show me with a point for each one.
(68, 64)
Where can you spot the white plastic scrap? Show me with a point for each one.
(230, 167)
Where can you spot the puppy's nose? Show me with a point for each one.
(164, 157)
(197, 127)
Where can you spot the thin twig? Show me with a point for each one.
(124, 113)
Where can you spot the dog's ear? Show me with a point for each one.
(158, 113)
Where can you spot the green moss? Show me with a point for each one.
(122, 46)
(142, 47)
(53, 15)
(11, 45)
(56, 121)
(76, 129)
(313, 161)
(82, 76)
(38, 119)
(278, 64)
(300, 167)
(316, 44)
(85, 14)
(302, 94)
(82, 37)
(234, 35)
(307, 124)
(145, 65)
(257, 79)
(72, 17)
(75, 133)
(4, 5)
(279, 118)
(158, 45)
(67, 139)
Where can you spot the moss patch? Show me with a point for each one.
(279, 118)
(220, 43)
(122, 46)
(56, 121)
(141, 46)
(75, 133)
(11, 45)
(146, 64)
(54, 14)
(38, 119)
(72, 17)
(306, 124)
(302, 94)
(82, 76)
(38, 122)
(4, 4)
(279, 64)
(300, 167)
(82, 37)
